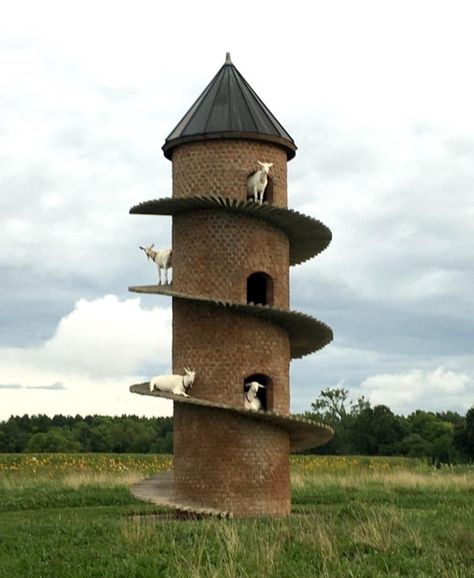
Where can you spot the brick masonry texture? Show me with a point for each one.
(231, 462)
(221, 167)
(225, 348)
(222, 459)
(215, 252)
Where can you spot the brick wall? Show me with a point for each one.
(221, 459)
(225, 348)
(231, 462)
(215, 252)
(221, 167)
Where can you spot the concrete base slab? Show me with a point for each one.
(159, 490)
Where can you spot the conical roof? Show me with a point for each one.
(229, 108)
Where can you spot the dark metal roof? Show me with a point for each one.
(229, 108)
(307, 236)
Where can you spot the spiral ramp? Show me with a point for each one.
(306, 238)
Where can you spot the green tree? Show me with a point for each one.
(334, 407)
(15, 438)
(414, 446)
(470, 432)
(464, 436)
(437, 434)
(55, 440)
(377, 431)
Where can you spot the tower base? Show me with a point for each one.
(231, 462)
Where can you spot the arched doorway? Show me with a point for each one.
(265, 395)
(260, 289)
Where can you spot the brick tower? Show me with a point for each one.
(230, 291)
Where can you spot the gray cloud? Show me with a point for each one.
(57, 386)
(82, 145)
(420, 328)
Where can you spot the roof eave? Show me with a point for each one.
(289, 146)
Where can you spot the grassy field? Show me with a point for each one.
(72, 516)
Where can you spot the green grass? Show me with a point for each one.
(353, 517)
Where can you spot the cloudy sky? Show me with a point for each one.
(378, 96)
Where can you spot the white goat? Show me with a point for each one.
(257, 183)
(176, 384)
(251, 400)
(162, 258)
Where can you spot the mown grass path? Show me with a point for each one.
(72, 516)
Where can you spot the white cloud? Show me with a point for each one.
(96, 353)
(385, 153)
(109, 337)
(386, 377)
(400, 219)
(439, 389)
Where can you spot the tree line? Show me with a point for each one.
(93, 433)
(360, 429)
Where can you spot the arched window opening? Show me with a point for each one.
(264, 394)
(260, 289)
(267, 194)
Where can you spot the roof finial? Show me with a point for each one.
(227, 58)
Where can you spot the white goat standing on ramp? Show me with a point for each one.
(251, 400)
(177, 384)
(162, 258)
(257, 183)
